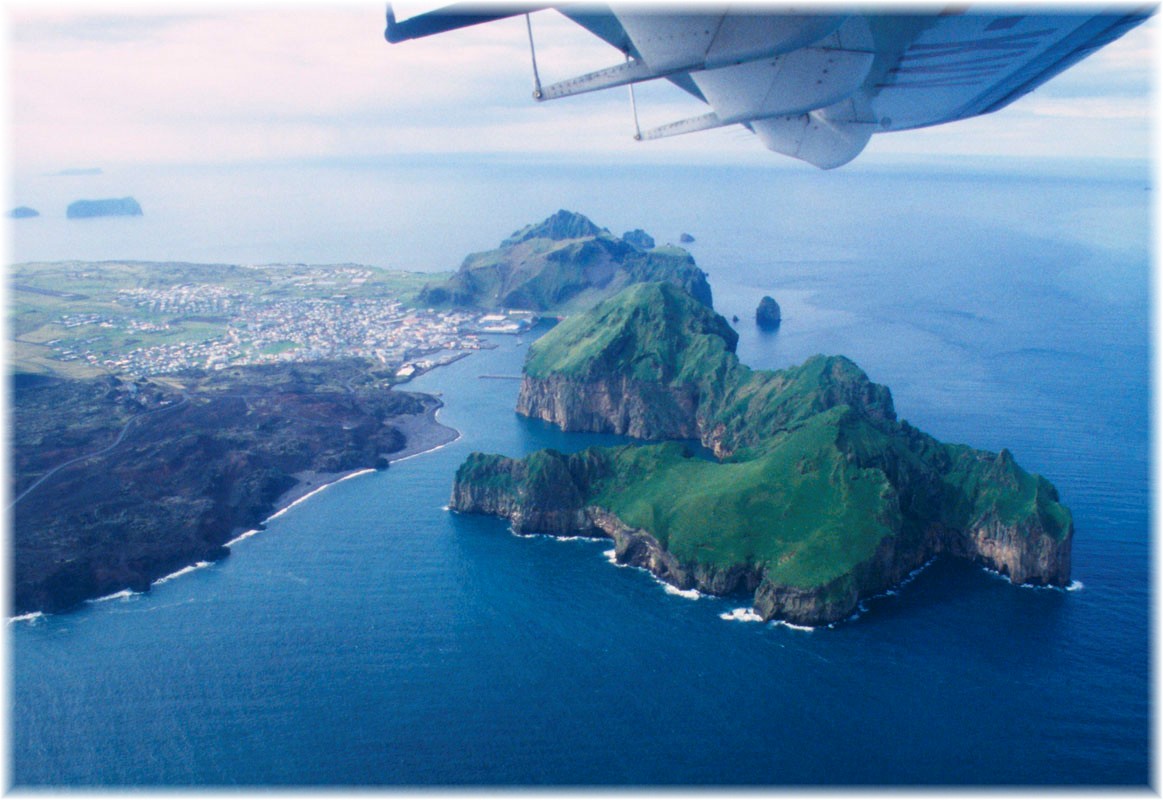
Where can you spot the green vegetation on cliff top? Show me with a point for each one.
(815, 471)
(802, 509)
(651, 331)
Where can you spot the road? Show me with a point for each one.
(120, 436)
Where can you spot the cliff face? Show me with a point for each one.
(821, 497)
(1024, 553)
(653, 363)
(644, 410)
(543, 493)
(557, 504)
(565, 262)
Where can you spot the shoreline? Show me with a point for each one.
(423, 433)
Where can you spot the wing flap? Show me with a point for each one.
(800, 81)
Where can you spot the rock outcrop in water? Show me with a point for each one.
(565, 263)
(819, 496)
(109, 207)
(767, 314)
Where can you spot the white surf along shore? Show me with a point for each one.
(423, 434)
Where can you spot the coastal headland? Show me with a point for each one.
(817, 496)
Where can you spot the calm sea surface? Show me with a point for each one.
(370, 637)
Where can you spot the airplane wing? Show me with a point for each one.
(817, 86)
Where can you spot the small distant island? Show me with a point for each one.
(72, 172)
(686, 238)
(23, 212)
(767, 314)
(563, 264)
(818, 496)
(109, 207)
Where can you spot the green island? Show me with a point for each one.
(564, 264)
(159, 410)
(817, 496)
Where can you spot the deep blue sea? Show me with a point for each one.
(371, 637)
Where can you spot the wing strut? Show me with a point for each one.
(634, 108)
(533, 55)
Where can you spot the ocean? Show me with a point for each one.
(369, 637)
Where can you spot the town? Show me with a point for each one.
(211, 327)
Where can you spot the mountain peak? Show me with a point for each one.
(562, 225)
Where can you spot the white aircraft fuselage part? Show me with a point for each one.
(817, 86)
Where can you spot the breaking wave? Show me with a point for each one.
(741, 615)
(689, 594)
(241, 536)
(436, 416)
(555, 537)
(184, 571)
(1073, 586)
(314, 492)
(124, 593)
(793, 626)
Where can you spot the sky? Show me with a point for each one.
(99, 84)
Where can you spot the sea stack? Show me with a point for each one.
(767, 315)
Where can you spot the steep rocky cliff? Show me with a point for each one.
(564, 263)
(820, 498)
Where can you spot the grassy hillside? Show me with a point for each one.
(653, 331)
(819, 490)
(802, 510)
(564, 264)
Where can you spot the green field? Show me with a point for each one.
(64, 316)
